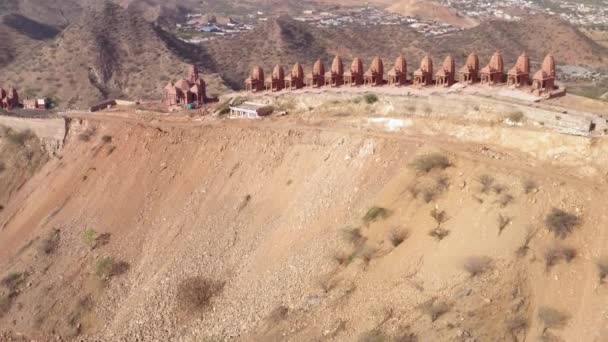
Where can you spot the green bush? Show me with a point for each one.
(370, 98)
(429, 162)
(375, 213)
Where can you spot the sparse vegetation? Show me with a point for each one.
(516, 116)
(89, 236)
(487, 182)
(439, 233)
(602, 269)
(397, 236)
(374, 335)
(523, 249)
(516, 325)
(106, 267)
(405, 336)
(530, 186)
(427, 163)
(552, 318)
(561, 223)
(431, 191)
(477, 265)
(86, 135)
(434, 309)
(352, 234)
(370, 98)
(106, 139)
(504, 200)
(375, 213)
(555, 254)
(439, 215)
(12, 281)
(196, 293)
(50, 242)
(503, 222)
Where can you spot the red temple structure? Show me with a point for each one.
(276, 82)
(446, 75)
(492, 73)
(335, 77)
(543, 82)
(255, 82)
(375, 75)
(354, 77)
(397, 76)
(519, 75)
(424, 75)
(469, 73)
(9, 99)
(296, 79)
(192, 90)
(316, 78)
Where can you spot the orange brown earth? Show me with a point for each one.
(326, 224)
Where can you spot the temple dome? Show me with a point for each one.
(548, 65)
(449, 64)
(400, 65)
(357, 66)
(523, 63)
(473, 61)
(337, 67)
(426, 65)
(297, 72)
(318, 68)
(496, 62)
(377, 65)
(257, 74)
(278, 73)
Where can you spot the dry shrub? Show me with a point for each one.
(12, 281)
(552, 318)
(430, 192)
(505, 200)
(429, 162)
(439, 233)
(375, 213)
(49, 244)
(106, 139)
(602, 269)
(486, 182)
(397, 236)
(367, 253)
(434, 309)
(278, 314)
(530, 186)
(523, 249)
(343, 258)
(476, 265)
(352, 234)
(327, 282)
(516, 325)
(439, 215)
(106, 267)
(561, 223)
(503, 222)
(405, 336)
(374, 335)
(557, 253)
(86, 135)
(196, 293)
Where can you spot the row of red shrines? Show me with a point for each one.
(542, 82)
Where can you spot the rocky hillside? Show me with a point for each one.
(109, 52)
(431, 10)
(317, 227)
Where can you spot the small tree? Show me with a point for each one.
(561, 223)
(427, 163)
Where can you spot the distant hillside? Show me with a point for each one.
(431, 10)
(286, 41)
(109, 52)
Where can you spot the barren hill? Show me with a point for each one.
(109, 52)
(431, 10)
(316, 227)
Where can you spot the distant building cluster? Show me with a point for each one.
(580, 14)
(541, 84)
(10, 100)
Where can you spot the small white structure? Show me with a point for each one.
(249, 110)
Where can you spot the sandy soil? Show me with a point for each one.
(257, 210)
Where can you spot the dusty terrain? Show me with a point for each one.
(325, 224)
(431, 10)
